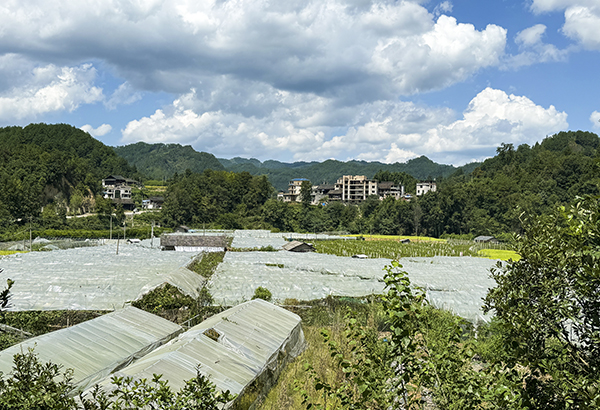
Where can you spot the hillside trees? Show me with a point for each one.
(549, 302)
(42, 164)
(204, 198)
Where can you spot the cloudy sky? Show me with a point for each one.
(305, 80)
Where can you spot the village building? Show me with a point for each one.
(424, 187)
(349, 188)
(192, 242)
(293, 193)
(118, 189)
(154, 202)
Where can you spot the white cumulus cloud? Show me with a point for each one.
(582, 19)
(97, 132)
(595, 120)
(352, 50)
(533, 49)
(50, 89)
(383, 131)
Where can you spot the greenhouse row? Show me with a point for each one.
(241, 349)
(457, 284)
(98, 347)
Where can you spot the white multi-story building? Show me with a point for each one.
(424, 187)
(293, 193)
(356, 188)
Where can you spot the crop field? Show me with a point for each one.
(394, 249)
(398, 238)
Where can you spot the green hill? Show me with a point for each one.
(329, 171)
(162, 161)
(41, 164)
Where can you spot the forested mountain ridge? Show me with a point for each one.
(41, 164)
(162, 161)
(526, 180)
(330, 170)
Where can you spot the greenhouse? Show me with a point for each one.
(94, 278)
(453, 283)
(242, 350)
(263, 238)
(96, 348)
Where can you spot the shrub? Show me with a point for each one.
(262, 293)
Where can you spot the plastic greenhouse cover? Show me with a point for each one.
(252, 337)
(263, 238)
(93, 278)
(454, 283)
(95, 348)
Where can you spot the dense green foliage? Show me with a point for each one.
(262, 293)
(59, 168)
(44, 386)
(52, 164)
(527, 179)
(549, 304)
(162, 161)
(540, 352)
(218, 197)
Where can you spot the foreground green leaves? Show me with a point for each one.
(35, 385)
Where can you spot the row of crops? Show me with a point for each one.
(393, 249)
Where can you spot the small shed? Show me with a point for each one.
(406, 240)
(192, 242)
(486, 239)
(297, 246)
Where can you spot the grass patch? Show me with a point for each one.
(207, 263)
(327, 314)
(4, 253)
(499, 254)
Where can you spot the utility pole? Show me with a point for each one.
(111, 224)
(152, 236)
(30, 243)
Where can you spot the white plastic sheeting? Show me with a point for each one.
(254, 341)
(95, 348)
(93, 278)
(453, 283)
(264, 238)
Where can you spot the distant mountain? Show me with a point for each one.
(329, 171)
(158, 161)
(161, 161)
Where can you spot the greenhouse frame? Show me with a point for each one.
(242, 349)
(96, 348)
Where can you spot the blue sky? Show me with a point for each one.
(305, 80)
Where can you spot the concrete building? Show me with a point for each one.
(293, 192)
(356, 188)
(424, 187)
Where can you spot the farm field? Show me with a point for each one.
(392, 248)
